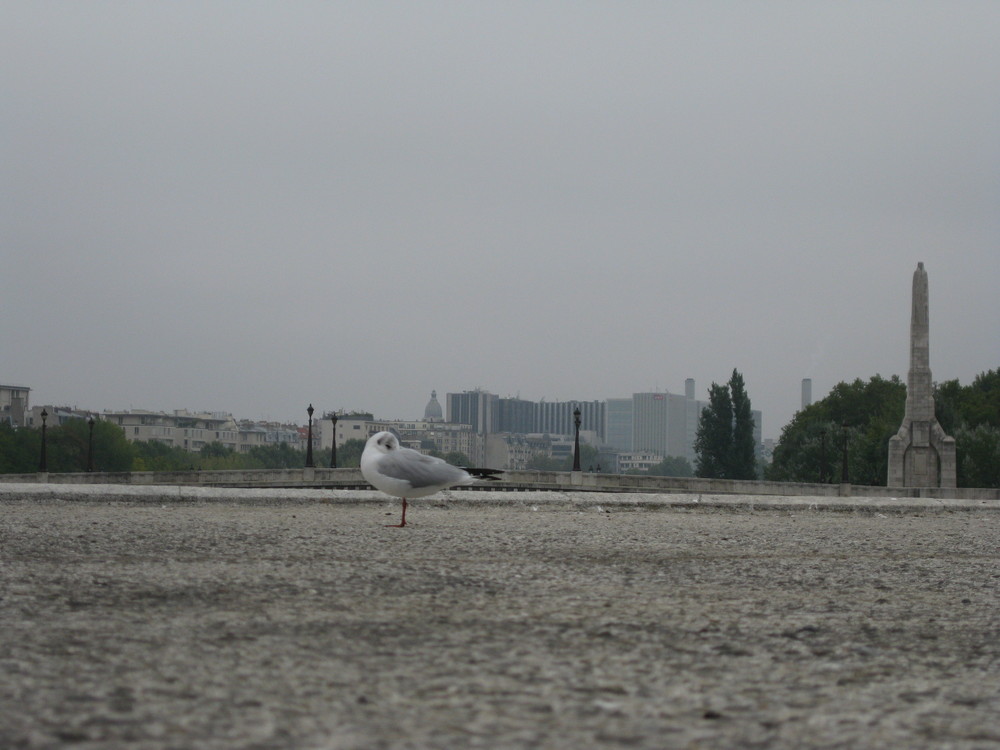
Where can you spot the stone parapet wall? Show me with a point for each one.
(512, 480)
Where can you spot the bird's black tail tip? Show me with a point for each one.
(485, 473)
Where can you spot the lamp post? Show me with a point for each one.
(309, 444)
(90, 444)
(333, 446)
(576, 442)
(43, 461)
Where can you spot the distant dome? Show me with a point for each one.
(433, 411)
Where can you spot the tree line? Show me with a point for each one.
(860, 417)
(68, 446)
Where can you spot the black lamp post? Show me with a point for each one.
(90, 445)
(576, 443)
(309, 444)
(43, 462)
(843, 465)
(333, 447)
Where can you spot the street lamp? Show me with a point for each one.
(333, 447)
(43, 462)
(576, 443)
(90, 444)
(309, 445)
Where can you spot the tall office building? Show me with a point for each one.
(517, 416)
(619, 424)
(476, 408)
(556, 417)
(660, 423)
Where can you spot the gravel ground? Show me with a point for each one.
(308, 625)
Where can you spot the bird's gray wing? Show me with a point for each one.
(419, 470)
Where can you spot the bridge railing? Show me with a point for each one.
(326, 478)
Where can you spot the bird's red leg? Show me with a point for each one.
(402, 523)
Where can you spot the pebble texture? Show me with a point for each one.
(308, 625)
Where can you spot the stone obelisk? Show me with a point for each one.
(920, 454)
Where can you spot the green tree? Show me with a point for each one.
(743, 456)
(971, 414)
(969, 406)
(542, 462)
(6, 449)
(20, 449)
(112, 452)
(867, 414)
(215, 449)
(71, 444)
(156, 456)
(978, 453)
(66, 447)
(671, 466)
(279, 456)
(714, 438)
(349, 454)
(724, 445)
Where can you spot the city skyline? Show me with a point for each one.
(354, 204)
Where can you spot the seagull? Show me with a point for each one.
(406, 473)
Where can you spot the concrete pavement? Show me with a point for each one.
(298, 621)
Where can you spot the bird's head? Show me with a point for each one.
(383, 442)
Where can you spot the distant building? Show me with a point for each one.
(55, 415)
(636, 461)
(476, 408)
(14, 404)
(660, 424)
(433, 412)
(516, 416)
(188, 430)
(556, 417)
(667, 423)
(422, 435)
(276, 433)
(619, 424)
(511, 451)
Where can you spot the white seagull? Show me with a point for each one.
(406, 473)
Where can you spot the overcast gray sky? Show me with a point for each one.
(251, 206)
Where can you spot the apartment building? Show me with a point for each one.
(14, 404)
(424, 435)
(636, 460)
(188, 430)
